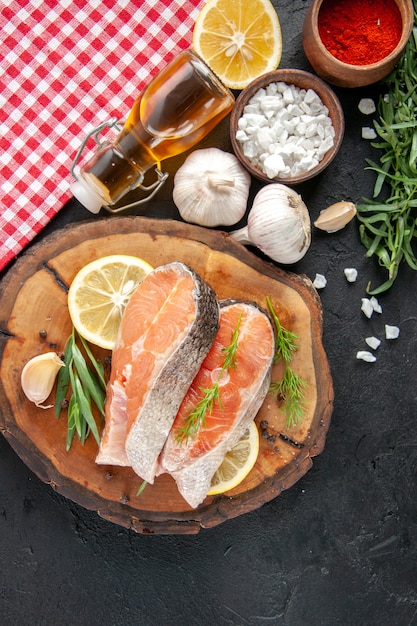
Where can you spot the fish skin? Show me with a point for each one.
(193, 472)
(147, 431)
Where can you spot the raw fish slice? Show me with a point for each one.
(167, 329)
(192, 463)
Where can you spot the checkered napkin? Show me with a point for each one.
(66, 66)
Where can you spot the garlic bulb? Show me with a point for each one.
(211, 188)
(278, 224)
(336, 216)
(38, 377)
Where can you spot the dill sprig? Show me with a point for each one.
(196, 418)
(388, 227)
(84, 380)
(285, 340)
(290, 389)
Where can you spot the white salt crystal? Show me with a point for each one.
(310, 96)
(271, 103)
(264, 137)
(241, 135)
(367, 106)
(320, 281)
(351, 274)
(242, 123)
(256, 120)
(391, 332)
(364, 355)
(373, 342)
(375, 305)
(367, 307)
(273, 165)
(288, 96)
(368, 133)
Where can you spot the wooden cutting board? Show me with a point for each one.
(34, 302)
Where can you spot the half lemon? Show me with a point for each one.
(99, 293)
(239, 40)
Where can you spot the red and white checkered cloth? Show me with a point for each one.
(66, 66)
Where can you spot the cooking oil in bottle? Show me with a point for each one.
(173, 113)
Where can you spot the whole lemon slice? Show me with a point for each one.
(239, 40)
(237, 463)
(99, 294)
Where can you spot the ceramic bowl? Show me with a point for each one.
(302, 80)
(343, 74)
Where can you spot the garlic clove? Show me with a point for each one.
(336, 216)
(38, 377)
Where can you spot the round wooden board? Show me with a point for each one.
(34, 299)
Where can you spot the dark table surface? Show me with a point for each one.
(339, 547)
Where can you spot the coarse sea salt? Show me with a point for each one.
(285, 130)
(368, 133)
(351, 274)
(373, 342)
(364, 355)
(366, 307)
(370, 305)
(375, 305)
(320, 281)
(391, 332)
(367, 106)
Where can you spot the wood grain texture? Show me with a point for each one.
(34, 299)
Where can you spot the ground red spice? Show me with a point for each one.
(359, 32)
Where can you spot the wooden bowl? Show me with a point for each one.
(343, 74)
(303, 80)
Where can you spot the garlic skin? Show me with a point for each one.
(38, 377)
(336, 216)
(211, 188)
(278, 224)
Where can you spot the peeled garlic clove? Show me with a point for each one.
(336, 216)
(211, 188)
(38, 377)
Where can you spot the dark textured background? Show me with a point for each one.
(337, 548)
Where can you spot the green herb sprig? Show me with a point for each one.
(291, 389)
(211, 395)
(86, 385)
(291, 386)
(388, 228)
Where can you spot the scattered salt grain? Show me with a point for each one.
(351, 274)
(373, 342)
(370, 305)
(320, 281)
(367, 307)
(285, 130)
(391, 332)
(375, 305)
(366, 356)
(368, 133)
(367, 106)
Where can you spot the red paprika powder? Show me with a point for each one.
(360, 32)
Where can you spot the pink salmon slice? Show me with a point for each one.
(166, 331)
(193, 462)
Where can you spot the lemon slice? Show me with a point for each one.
(239, 40)
(99, 293)
(237, 463)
